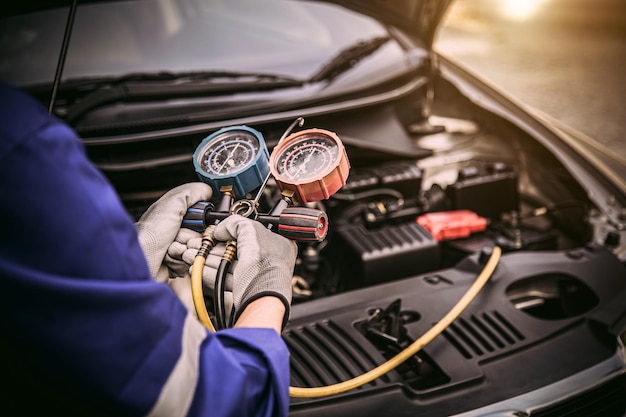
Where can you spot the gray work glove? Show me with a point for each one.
(160, 224)
(265, 262)
(263, 266)
(182, 253)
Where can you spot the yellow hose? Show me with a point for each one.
(412, 349)
(196, 277)
(196, 292)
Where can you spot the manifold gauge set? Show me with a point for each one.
(312, 163)
(309, 165)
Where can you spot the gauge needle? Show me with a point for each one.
(302, 167)
(307, 159)
(229, 158)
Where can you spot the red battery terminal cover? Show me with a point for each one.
(454, 224)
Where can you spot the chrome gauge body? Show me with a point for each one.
(235, 155)
(312, 163)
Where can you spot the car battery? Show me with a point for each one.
(374, 256)
(488, 191)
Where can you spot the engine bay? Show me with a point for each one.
(490, 184)
(482, 236)
(408, 232)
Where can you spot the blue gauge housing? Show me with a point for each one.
(234, 155)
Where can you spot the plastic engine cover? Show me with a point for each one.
(375, 256)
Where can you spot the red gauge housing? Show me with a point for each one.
(311, 163)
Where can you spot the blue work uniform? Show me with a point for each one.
(85, 330)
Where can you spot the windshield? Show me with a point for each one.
(110, 39)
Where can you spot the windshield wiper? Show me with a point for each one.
(86, 94)
(348, 58)
(90, 93)
(214, 78)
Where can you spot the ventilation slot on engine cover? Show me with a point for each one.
(482, 334)
(323, 354)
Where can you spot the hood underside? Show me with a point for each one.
(420, 18)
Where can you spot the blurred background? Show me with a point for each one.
(566, 58)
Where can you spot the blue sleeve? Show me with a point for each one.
(79, 310)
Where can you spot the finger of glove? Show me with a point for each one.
(176, 266)
(189, 254)
(180, 257)
(211, 264)
(184, 235)
(158, 226)
(185, 239)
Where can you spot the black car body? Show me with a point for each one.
(145, 82)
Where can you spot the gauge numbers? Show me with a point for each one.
(233, 156)
(311, 163)
(307, 157)
(228, 153)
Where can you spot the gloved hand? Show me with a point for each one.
(265, 262)
(263, 266)
(182, 253)
(159, 225)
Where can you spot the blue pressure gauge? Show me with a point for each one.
(235, 155)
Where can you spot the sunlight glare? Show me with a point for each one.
(520, 9)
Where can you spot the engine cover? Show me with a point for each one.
(543, 317)
(373, 256)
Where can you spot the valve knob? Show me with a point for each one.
(295, 223)
(194, 218)
(303, 224)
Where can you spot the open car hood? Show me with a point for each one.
(420, 18)
(29, 6)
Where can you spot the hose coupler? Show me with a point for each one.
(208, 242)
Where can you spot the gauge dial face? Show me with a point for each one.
(311, 164)
(307, 157)
(228, 153)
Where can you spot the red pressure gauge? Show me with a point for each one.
(312, 163)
